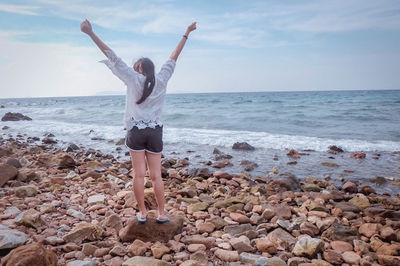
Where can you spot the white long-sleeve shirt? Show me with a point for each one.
(148, 113)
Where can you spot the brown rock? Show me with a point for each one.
(308, 247)
(340, 232)
(361, 201)
(83, 231)
(196, 247)
(350, 187)
(387, 249)
(268, 213)
(282, 239)
(293, 153)
(100, 252)
(30, 255)
(200, 206)
(227, 255)
(218, 222)
(360, 246)
(26, 191)
(199, 239)
(241, 244)
(93, 174)
(137, 248)
(389, 260)
(14, 162)
(238, 229)
(151, 230)
(358, 155)
(144, 261)
(240, 218)
(341, 246)
(265, 245)
(113, 221)
(7, 172)
(329, 164)
(332, 256)
(351, 257)
(205, 227)
(88, 249)
(31, 218)
(66, 161)
(159, 250)
(283, 212)
(222, 174)
(388, 233)
(369, 229)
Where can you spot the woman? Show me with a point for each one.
(144, 101)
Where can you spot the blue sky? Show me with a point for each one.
(239, 45)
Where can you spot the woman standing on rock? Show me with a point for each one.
(144, 101)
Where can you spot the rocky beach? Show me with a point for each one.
(76, 207)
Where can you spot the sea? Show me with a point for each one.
(273, 122)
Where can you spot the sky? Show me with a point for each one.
(253, 45)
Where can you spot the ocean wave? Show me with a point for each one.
(272, 141)
(79, 133)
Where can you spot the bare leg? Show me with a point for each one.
(154, 163)
(139, 171)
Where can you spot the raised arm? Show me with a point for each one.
(175, 54)
(86, 27)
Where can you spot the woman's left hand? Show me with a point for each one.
(191, 27)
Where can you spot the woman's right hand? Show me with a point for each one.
(86, 27)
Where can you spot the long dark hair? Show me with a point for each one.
(148, 71)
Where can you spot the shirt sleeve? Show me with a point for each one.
(119, 68)
(166, 70)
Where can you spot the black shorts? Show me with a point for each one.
(146, 139)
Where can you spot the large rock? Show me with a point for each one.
(26, 191)
(235, 230)
(340, 232)
(227, 255)
(361, 201)
(66, 161)
(284, 182)
(30, 255)
(151, 230)
(83, 231)
(242, 146)
(15, 117)
(202, 172)
(10, 238)
(7, 172)
(30, 218)
(252, 259)
(389, 260)
(144, 261)
(14, 162)
(308, 247)
(200, 206)
(137, 248)
(159, 249)
(241, 244)
(369, 229)
(282, 239)
(199, 239)
(351, 257)
(96, 199)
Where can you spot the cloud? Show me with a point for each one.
(20, 9)
(334, 16)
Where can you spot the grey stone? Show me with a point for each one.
(10, 238)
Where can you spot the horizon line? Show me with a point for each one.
(123, 94)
